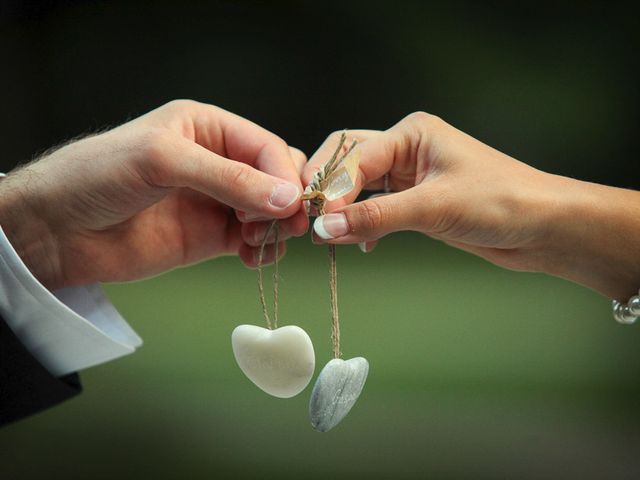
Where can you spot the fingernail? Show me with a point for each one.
(330, 226)
(367, 247)
(267, 256)
(259, 236)
(249, 217)
(283, 195)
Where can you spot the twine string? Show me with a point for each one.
(333, 292)
(317, 200)
(333, 295)
(276, 276)
(263, 301)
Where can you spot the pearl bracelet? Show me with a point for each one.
(627, 313)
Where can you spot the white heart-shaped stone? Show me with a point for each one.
(280, 361)
(336, 390)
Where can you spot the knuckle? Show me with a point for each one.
(423, 118)
(152, 142)
(152, 159)
(281, 143)
(335, 135)
(236, 176)
(371, 217)
(299, 159)
(297, 153)
(180, 104)
(419, 128)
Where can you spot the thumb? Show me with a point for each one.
(233, 183)
(373, 218)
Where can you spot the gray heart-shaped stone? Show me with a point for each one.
(336, 390)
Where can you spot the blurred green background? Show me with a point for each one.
(476, 372)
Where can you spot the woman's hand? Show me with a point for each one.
(454, 188)
(183, 183)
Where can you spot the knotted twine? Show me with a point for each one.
(317, 200)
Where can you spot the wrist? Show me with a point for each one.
(594, 237)
(29, 234)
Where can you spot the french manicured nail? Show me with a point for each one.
(363, 247)
(332, 225)
(284, 194)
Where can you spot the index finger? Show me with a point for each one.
(232, 136)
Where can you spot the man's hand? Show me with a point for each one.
(183, 183)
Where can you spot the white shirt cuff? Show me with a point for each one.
(66, 330)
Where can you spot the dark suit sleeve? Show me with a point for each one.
(26, 387)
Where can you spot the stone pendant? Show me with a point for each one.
(336, 390)
(280, 362)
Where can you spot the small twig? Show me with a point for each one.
(334, 161)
